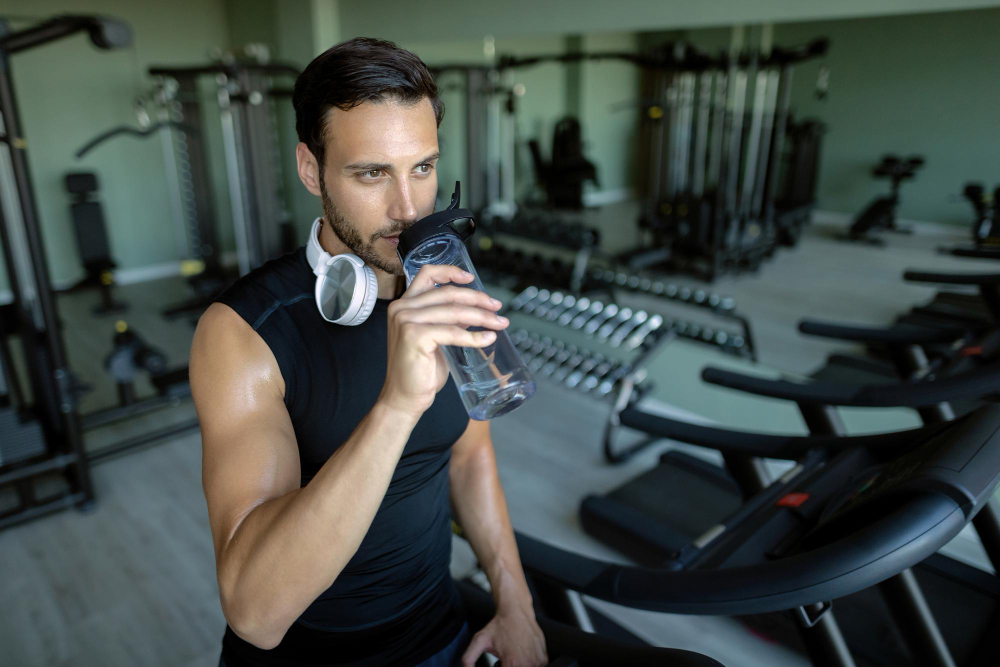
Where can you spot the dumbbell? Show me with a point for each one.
(571, 365)
(594, 377)
(518, 335)
(558, 360)
(581, 305)
(546, 354)
(578, 322)
(524, 344)
(568, 302)
(608, 383)
(608, 327)
(619, 334)
(595, 323)
(555, 300)
(526, 295)
(640, 334)
(588, 365)
(542, 296)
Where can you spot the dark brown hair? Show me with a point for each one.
(354, 72)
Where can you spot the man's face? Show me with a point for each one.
(379, 176)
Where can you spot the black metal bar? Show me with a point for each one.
(36, 469)
(915, 621)
(825, 643)
(987, 525)
(129, 444)
(749, 473)
(93, 420)
(58, 373)
(822, 419)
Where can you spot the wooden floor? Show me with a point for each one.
(133, 581)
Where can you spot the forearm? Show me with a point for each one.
(481, 510)
(287, 551)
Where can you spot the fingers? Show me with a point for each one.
(464, 316)
(428, 337)
(481, 643)
(447, 294)
(436, 274)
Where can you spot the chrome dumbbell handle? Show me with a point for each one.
(640, 334)
(574, 378)
(570, 365)
(581, 305)
(540, 298)
(595, 309)
(608, 383)
(567, 303)
(595, 323)
(623, 316)
(558, 360)
(526, 295)
(594, 377)
(555, 300)
(546, 354)
(619, 334)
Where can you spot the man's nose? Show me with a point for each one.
(402, 206)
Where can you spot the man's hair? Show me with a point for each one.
(354, 72)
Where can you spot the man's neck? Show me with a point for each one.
(389, 286)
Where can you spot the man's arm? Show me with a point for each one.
(277, 546)
(481, 510)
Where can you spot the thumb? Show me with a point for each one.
(481, 643)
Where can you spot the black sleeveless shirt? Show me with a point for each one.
(394, 602)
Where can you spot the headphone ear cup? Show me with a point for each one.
(371, 293)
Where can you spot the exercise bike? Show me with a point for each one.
(986, 227)
(880, 215)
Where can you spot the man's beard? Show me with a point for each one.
(351, 237)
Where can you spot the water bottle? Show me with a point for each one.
(491, 380)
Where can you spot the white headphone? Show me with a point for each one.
(334, 271)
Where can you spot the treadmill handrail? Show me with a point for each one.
(901, 334)
(873, 554)
(973, 384)
(952, 278)
(769, 445)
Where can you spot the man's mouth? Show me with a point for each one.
(394, 240)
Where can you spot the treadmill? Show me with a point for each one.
(643, 518)
(855, 512)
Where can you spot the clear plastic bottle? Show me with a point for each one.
(491, 380)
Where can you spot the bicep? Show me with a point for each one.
(249, 453)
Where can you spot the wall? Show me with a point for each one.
(400, 20)
(923, 84)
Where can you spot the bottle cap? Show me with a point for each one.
(451, 221)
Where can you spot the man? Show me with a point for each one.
(330, 452)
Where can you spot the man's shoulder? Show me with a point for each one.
(279, 282)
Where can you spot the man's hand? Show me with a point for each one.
(514, 637)
(422, 321)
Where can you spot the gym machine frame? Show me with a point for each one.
(52, 382)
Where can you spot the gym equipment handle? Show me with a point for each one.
(973, 384)
(763, 444)
(899, 334)
(953, 278)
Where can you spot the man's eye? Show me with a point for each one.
(425, 168)
(372, 173)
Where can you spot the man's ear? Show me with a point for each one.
(308, 168)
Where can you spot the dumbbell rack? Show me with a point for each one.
(552, 231)
(618, 332)
(740, 343)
